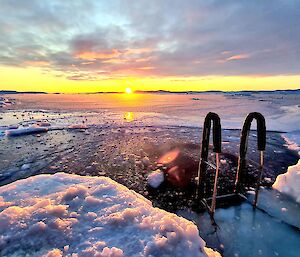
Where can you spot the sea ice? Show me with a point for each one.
(71, 215)
(25, 130)
(243, 231)
(77, 126)
(288, 183)
(155, 178)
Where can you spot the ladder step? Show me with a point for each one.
(228, 200)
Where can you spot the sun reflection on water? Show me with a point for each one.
(128, 116)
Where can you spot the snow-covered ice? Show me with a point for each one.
(281, 110)
(155, 178)
(70, 215)
(288, 183)
(26, 130)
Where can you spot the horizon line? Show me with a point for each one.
(148, 91)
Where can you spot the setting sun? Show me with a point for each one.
(128, 90)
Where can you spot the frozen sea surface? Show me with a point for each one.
(282, 111)
(94, 134)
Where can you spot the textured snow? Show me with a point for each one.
(69, 215)
(155, 178)
(288, 183)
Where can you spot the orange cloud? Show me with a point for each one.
(238, 57)
(113, 54)
(92, 55)
(146, 68)
(138, 51)
(115, 61)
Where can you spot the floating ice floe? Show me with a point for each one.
(155, 178)
(25, 130)
(288, 183)
(5, 102)
(71, 215)
(77, 126)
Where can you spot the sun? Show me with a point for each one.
(128, 90)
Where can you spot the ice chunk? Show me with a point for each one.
(25, 131)
(155, 178)
(71, 215)
(288, 183)
(25, 166)
(146, 161)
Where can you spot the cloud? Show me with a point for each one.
(238, 57)
(151, 38)
(90, 55)
(36, 63)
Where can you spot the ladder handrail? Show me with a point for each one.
(261, 133)
(261, 146)
(217, 145)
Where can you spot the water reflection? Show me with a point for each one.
(128, 116)
(169, 157)
(180, 168)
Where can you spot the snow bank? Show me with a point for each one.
(70, 215)
(25, 131)
(155, 178)
(289, 182)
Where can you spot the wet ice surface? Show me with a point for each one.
(120, 150)
(244, 232)
(279, 206)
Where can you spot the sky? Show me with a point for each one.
(92, 46)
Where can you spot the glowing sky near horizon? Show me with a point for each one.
(91, 46)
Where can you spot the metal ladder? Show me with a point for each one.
(217, 144)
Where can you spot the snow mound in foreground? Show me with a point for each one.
(69, 215)
(288, 183)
